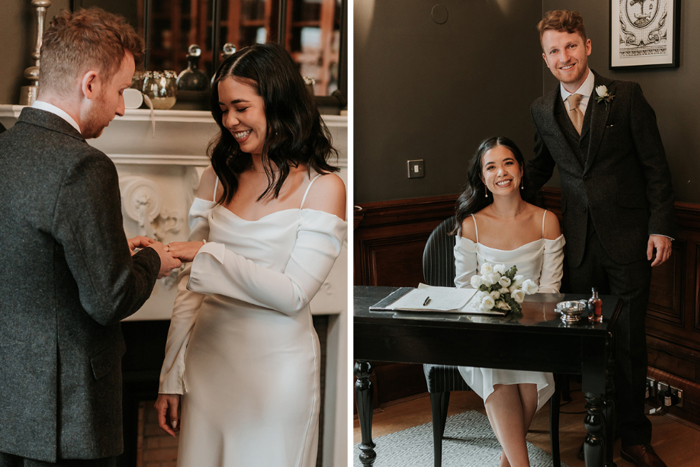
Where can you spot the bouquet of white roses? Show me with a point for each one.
(500, 289)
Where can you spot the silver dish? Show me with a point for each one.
(571, 310)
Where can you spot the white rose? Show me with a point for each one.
(495, 294)
(518, 296)
(487, 303)
(476, 281)
(601, 90)
(487, 279)
(518, 280)
(495, 277)
(504, 281)
(486, 268)
(529, 287)
(500, 268)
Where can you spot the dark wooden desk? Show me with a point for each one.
(537, 340)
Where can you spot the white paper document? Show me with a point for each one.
(427, 298)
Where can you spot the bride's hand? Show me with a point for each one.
(168, 406)
(184, 251)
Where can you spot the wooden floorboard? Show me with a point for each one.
(676, 441)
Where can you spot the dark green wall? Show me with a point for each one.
(432, 91)
(18, 32)
(429, 91)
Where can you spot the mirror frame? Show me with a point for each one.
(337, 99)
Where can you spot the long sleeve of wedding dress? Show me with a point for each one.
(466, 263)
(184, 310)
(218, 270)
(552, 265)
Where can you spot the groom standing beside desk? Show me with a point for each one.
(67, 275)
(617, 201)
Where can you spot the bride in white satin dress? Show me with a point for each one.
(242, 359)
(496, 225)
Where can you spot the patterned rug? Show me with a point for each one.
(469, 441)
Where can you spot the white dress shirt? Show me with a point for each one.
(586, 90)
(41, 105)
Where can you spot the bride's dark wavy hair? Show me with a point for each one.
(473, 198)
(295, 132)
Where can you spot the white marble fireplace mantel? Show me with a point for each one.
(159, 158)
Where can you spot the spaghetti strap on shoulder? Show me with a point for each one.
(544, 215)
(303, 200)
(216, 187)
(476, 230)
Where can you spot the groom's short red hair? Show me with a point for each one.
(562, 20)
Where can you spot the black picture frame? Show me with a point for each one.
(644, 34)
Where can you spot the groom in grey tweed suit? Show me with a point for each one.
(617, 201)
(68, 274)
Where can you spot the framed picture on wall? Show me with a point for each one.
(644, 33)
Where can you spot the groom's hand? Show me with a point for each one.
(139, 242)
(663, 248)
(167, 262)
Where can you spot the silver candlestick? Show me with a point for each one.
(29, 93)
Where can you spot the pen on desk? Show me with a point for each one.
(427, 300)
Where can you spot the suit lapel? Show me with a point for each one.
(599, 117)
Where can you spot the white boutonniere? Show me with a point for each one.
(501, 289)
(603, 95)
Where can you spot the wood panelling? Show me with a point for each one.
(695, 277)
(389, 241)
(666, 291)
(390, 237)
(397, 380)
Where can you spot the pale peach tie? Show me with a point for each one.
(572, 103)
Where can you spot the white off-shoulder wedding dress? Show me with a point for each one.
(242, 349)
(541, 261)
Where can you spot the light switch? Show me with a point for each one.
(415, 169)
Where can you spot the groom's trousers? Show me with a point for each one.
(10, 460)
(631, 283)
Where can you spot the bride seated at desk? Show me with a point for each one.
(495, 225)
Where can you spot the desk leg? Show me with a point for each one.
(610, 409)
(363, 396)
(595, 425)
(609, 431)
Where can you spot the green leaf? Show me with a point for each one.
(514, 306)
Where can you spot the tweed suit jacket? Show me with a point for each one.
(624, 185)
(66, 280)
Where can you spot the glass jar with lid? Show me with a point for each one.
(161, 88)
